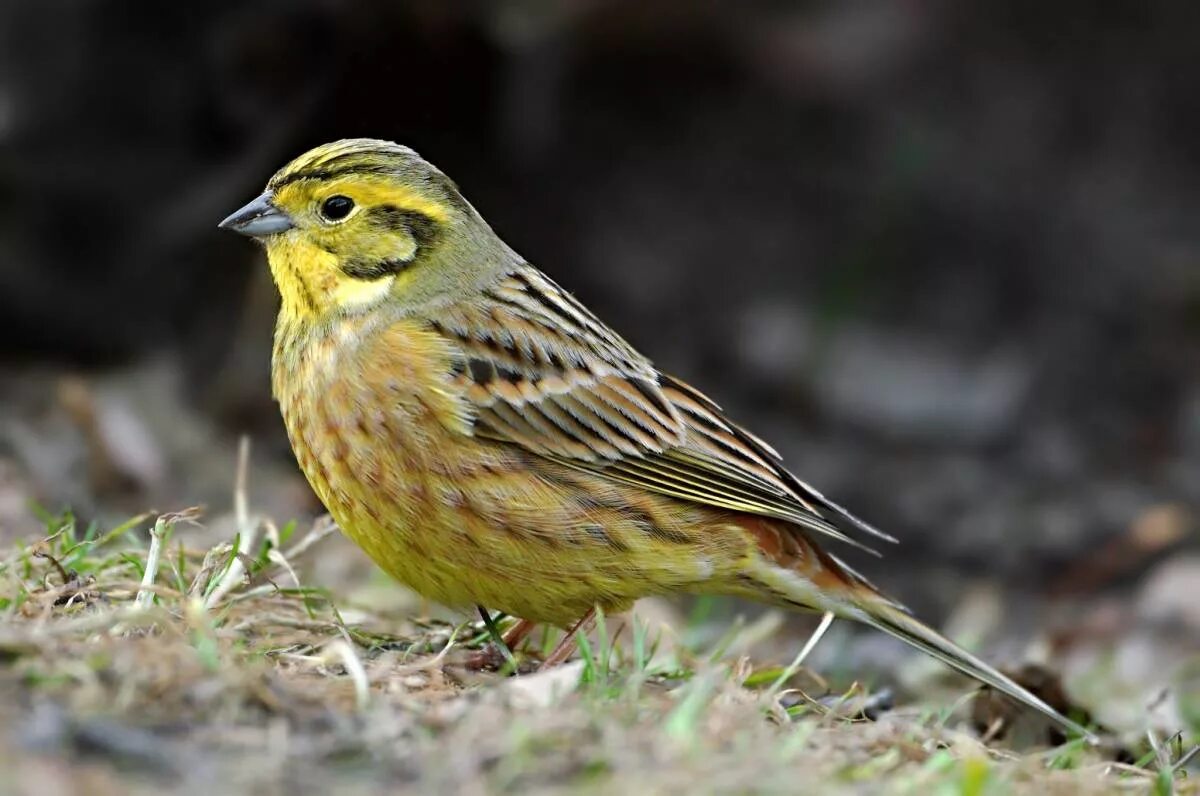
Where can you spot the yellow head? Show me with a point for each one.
(352, 224)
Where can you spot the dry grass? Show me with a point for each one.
(130, 664)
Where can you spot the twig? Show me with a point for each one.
(261, 619)
(247, 531)
(1160, 753)
(1107, 768)
(809, 646)
(322, 527)
(1186, 757)
(433, 662)
(251, 593)
(99, 621)
(158, 535)
(62, 573)
(341, 650)
(280, 560)
(241, 505)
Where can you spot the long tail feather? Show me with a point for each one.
(876, 611)
(795, 571)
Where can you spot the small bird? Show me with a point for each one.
(488, 441)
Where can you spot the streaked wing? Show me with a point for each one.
(544, 373)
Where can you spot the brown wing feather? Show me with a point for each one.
(544, 373)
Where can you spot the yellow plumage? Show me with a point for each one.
(488, 441)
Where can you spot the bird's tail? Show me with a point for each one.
(803, 575)
(878, 612)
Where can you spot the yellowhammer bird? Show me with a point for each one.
(489, 441)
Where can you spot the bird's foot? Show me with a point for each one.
(489, 659)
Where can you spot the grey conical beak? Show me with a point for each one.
(258, 219)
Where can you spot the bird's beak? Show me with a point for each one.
(258, 219)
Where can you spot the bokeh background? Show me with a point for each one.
(945, 256)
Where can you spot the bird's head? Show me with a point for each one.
(358, 222)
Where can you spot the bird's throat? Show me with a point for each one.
(312, 285)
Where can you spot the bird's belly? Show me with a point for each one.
(465, 521)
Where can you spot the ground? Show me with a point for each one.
(133, 662)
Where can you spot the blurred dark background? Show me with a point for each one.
(945, 256)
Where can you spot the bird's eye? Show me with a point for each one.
(335, 208)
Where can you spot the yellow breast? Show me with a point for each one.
(375, 442)
(387, 446)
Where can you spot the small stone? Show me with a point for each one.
(543, 688)
(1169, 593)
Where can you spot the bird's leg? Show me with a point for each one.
(567, 645)
(499, 651)
(518, 632)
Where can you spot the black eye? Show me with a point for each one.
(335, 208)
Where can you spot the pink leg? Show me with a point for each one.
(565, 647)
(517, 633)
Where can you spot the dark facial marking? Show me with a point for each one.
(370, 270)
(424, 230)
(310, 301)
(328, 173)
(385, 220)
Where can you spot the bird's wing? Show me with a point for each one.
(541, 371)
